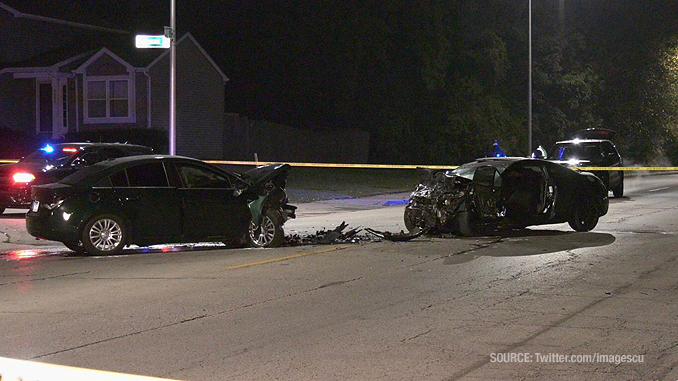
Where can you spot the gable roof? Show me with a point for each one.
(101, 52)
(63, 12)
(189, 36)
(78, 56)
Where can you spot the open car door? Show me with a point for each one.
(487, 189)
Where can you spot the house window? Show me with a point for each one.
(109, 100)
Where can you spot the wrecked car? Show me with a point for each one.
(500, 193)
(147, 200)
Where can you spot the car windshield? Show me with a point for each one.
(568, 151)
(48, 154)
(468, 170)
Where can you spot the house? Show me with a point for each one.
(62, 75)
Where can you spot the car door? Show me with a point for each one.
(152, 206)
(211, 208)
(486, 189)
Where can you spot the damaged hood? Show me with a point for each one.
(259, 176)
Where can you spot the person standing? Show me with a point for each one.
(496, 151)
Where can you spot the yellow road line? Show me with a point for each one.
(279, 259)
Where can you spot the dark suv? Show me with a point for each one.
(592, 148)
(52, 163)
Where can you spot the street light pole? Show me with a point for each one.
(529, 91)
(172, 111)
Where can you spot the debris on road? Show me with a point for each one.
(397, 237)
(327, 237)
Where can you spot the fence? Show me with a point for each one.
(275, 142)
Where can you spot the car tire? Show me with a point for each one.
(79, 249)
(270, 234)
(105, 234)
(585, 217)
(2, 210)
(619, 190)
(408, 218)
(464, 223)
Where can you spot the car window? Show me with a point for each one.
(109, 154)
(147, 175)
(104, 183)
(173, 175)
(198, 177)
(119, 179)
(86, 159)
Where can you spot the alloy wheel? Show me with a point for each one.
(264, 234)
(105, 234)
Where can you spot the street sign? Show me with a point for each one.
(145, 41)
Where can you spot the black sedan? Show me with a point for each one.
(52, 163)
(497, 193)
(146, 200)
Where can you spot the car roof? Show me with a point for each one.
(89, 144)
(99, 170)
(145, 158)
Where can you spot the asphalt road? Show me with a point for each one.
(433, 308)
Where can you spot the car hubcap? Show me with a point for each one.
(263, 235)
(105, 235)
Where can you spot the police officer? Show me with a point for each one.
(496, 151)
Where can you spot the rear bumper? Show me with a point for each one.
(52, 226)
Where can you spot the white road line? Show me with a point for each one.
(658, 189)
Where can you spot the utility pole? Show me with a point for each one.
(529, 91)
(173, 75)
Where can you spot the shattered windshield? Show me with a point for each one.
(468, 170)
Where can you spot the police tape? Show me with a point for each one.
(410, 166)
(15, 370)
(396, 166)
(332, 165)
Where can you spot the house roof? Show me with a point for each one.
(68, 58)
(72, 13)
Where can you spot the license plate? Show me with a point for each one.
(34, 206)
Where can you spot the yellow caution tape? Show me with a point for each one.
(333, 165)
(14, 370)
(397, 166)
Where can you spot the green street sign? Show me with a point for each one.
(145, 41)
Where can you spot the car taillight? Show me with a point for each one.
(23, 177)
